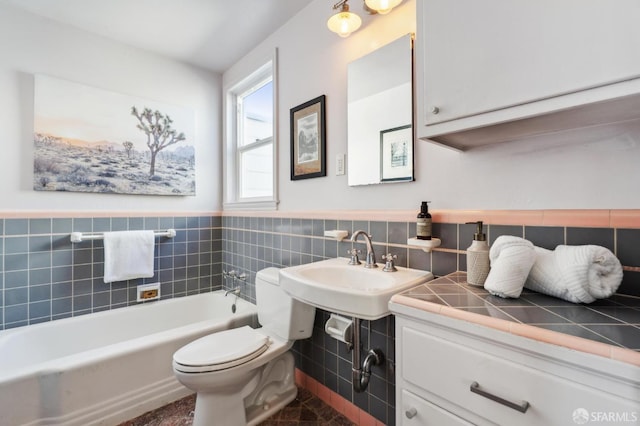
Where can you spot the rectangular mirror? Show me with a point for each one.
(380, 115)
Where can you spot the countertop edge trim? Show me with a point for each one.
(581, 344)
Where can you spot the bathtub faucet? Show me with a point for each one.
(235, 291)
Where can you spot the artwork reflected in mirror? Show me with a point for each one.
(396, 154)
(380, 115)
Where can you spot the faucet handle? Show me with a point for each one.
(389, 266)
(354, 256)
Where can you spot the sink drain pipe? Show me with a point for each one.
(360, 375)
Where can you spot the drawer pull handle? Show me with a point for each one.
(411, 413)
(522, 407)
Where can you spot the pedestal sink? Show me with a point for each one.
(351, 290)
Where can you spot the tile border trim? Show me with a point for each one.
(52, 214)
(568, 218)
(336, 401)
(615, 218)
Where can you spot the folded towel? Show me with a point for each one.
(128, 255)
(511, 260)
(578, 274)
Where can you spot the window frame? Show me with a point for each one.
(232, 149)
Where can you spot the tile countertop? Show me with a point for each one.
(607, 327)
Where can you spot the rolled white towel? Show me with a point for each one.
(578, 274)
(511, 260)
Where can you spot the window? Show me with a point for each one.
(255, 140)
(250, 142)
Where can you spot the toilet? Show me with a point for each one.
(243, 376)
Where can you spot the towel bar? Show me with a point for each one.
(77, 237)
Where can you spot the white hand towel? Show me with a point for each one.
(128, 255)
(511, 260)
(578, 274)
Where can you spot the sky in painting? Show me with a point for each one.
(74, 111)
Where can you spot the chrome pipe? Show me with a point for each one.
(360, 375)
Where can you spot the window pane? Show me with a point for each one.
(256, 171)
(257, 114)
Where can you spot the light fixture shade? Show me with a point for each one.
(344, 23)
(382, 6)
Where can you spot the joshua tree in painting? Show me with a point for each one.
(128, 146)
(160, 135)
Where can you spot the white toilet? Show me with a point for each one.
(244, 375)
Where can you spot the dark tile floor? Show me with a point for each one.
(306, 410)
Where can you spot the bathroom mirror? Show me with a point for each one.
(380, 115)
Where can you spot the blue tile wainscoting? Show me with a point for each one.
(45, 277)
(253, 243)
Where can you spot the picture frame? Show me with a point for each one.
(396, 154)
(87, 139)
(308, 139)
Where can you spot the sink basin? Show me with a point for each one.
(354, 291)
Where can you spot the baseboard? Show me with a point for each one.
(336, 401)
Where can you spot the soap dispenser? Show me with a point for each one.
(423, 224)
(478, 257)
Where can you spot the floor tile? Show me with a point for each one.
(306, 409)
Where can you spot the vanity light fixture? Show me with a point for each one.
(344, 22)
(382, 6)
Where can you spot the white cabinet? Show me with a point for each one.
(451, 372)
(417, 411)
(486, 62)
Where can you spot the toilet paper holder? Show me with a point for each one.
(339, 328)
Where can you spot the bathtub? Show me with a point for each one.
(107, 367)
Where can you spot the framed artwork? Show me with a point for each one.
(92, 140)
(396, 154)
(308, 145)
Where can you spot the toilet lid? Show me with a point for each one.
(224, 349)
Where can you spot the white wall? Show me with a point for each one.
(596, 169)
(32, 45)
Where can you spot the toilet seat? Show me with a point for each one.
(222, 350)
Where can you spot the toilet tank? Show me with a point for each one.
(278, 312)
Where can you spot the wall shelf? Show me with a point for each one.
(425, 245)
(337, 234)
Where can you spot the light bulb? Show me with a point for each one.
(382, 6)
(344, 23)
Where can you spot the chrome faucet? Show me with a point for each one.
(370, 261)
(235, 291)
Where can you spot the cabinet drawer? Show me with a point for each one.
(417, 411)
(447, 370)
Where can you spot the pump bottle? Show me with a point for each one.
(478, 257)
(423, 224)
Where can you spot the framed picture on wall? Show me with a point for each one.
(308, 145)
(87, 139)
(396, 154)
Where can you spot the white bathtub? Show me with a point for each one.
(107, 367)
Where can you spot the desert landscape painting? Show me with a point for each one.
(92, 140)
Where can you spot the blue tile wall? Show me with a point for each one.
(253, 243)
(44, 277)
